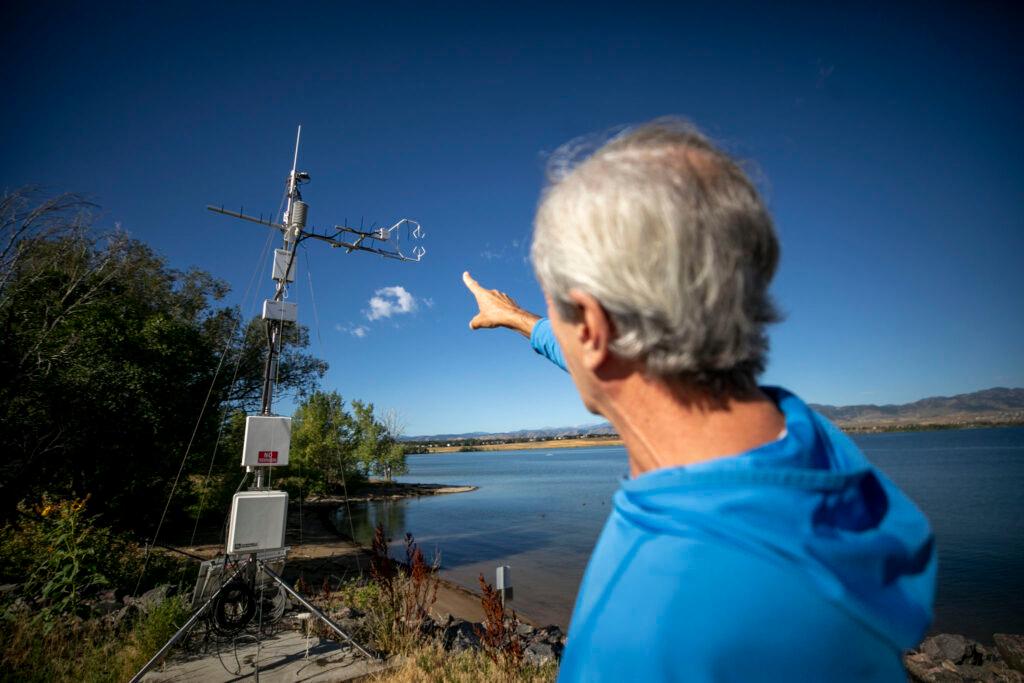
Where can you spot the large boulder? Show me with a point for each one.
(924, 669)
(525, 630)
(539, 653)
(989, 673)
(544, 645)
(953, 647)
(459, 635)
(550, 634)
(151, 598)
(950, 658)
(122, 618)
(1011, 648)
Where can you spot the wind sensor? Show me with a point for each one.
(256, 532)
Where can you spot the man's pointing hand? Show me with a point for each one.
(498, 309)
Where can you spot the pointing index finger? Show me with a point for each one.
(473, 285)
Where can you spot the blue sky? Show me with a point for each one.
(887, 142)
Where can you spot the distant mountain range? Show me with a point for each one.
(998, 405)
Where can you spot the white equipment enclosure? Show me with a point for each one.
(280, 310)
(282, 261)
(257, 521)
(267, 439)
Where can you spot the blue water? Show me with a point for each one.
(541, 511)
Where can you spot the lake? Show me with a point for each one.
(541, 512)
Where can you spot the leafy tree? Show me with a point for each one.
(377, 447)
(322, 442)
(331, 445)
(109, 357)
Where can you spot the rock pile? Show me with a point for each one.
(540, 645)
(950, 658)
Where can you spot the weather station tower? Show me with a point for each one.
(231, 588)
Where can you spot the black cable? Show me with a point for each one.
(226, 622)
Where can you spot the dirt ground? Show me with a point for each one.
(319, 555)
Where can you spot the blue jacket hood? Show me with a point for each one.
(812, 502)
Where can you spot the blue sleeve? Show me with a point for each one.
(542, 339)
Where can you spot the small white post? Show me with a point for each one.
(503, 583)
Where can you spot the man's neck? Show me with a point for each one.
(665, 425)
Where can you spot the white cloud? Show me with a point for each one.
(389, 301)
(355, 330)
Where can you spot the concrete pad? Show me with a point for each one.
(282, 658)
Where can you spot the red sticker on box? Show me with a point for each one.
(267, 457)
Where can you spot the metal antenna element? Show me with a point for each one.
(293, 225)
(385, 242)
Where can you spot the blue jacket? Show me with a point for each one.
(795, 561)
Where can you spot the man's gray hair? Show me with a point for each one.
(670, 236)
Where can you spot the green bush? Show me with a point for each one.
(60, 556)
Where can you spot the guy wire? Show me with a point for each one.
(312, 299)
(234, 378)
(341, 464)
(181, 467)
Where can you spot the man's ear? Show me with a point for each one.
(594, 329)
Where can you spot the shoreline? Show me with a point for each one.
(523, 446)
(848, 428)
(393, 490)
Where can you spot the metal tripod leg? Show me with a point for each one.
(185, 629)
(305, 603)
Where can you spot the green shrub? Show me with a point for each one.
(60, 556)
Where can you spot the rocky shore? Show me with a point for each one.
(950, 658)
(540, 645)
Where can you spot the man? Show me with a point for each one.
(753, 540)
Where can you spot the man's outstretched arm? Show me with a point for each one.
(498, 309)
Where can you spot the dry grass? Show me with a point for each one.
(432, 664)
(71, 649)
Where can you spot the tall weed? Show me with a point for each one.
(500, 632)
(398, 598)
